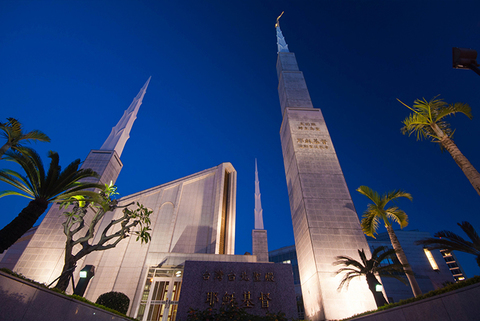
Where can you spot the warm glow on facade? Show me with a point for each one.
(431, 259)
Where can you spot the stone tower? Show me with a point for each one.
(259, 234)
(43, 258)
(324, 219)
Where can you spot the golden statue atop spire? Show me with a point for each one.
(281, 44)
(277, 23)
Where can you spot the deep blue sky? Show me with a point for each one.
(70, 69)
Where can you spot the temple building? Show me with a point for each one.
(193, 220)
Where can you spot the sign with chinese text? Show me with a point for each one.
(257, 287)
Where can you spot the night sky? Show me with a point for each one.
(71, 68)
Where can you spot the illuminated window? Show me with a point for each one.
(431, 259)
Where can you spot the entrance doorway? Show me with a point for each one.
(160, 296)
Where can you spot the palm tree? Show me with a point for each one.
(428, 121)
(452, 242)
(377, 211)
(42, 188)
(12, 131)
(369, 268)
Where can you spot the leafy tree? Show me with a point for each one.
(428, 121)
(13, 132)
(41, 187)
(452, 242)
(114, 300)
(377, 211)
(369, 268)
(119, 228)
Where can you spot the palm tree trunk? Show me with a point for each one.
(464, 164)
(4, 149)
(22, 223)
(372, 283)
(403, 260)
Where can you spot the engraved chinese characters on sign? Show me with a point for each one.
(308, 126)
(312, 143)
(247, 300)
(264, 299)
(255, 287)
(244, 276)
(212, 298)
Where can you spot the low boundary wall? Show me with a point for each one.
(458, 305)
(24, 301)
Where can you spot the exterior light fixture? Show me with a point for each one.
(378, 287)
(178, 274)
(464, 58)
(430, 258)
(86, 274)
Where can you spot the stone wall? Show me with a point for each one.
(24, 301)
(458, 305)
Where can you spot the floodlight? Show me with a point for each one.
(86, 274)
(465, 58)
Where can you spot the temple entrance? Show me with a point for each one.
(160, 296)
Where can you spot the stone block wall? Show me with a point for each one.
(24, 301)
(458, 305)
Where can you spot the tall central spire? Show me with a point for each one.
(324, 220)
(121, 132)
(258, 202)
(281, 43)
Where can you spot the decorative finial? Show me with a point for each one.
(281, 44)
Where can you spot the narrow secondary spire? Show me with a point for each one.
(281, 44)
(258, 203)
(121, 132)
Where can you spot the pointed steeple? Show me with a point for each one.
(281, 43)
(258, 202)
(121, 132)
(259, 234)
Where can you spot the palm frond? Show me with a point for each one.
(36, 135)
(7, 193)
(16, 180)
(417, 124)
(370, 223)
(449, 241)
(452, 109)
(471, 233)
(398, 216)
(348, 261)
(346, 280)
(50, 181)
(368, 192)
(397, 194)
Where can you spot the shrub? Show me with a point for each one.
(114, 300)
